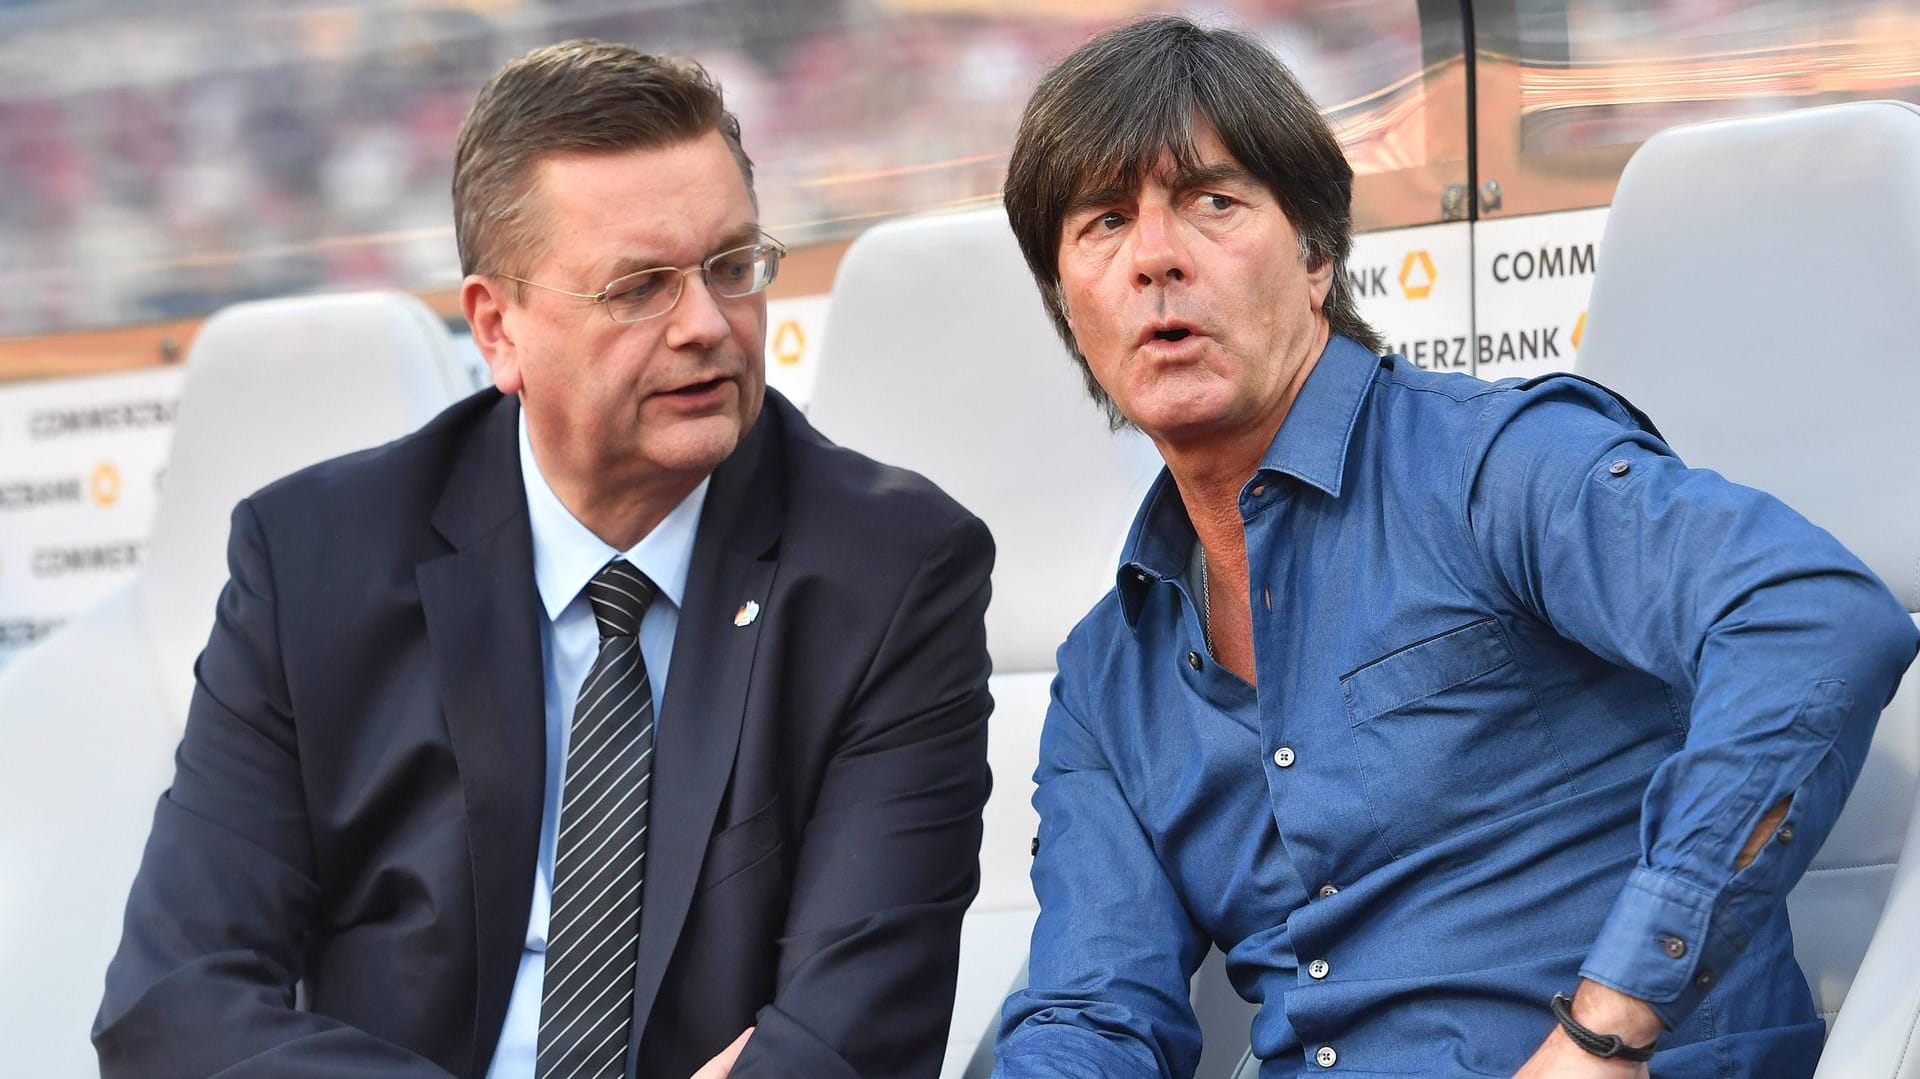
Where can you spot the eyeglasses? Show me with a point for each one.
(636, 297)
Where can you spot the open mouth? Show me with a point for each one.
(1172, 335)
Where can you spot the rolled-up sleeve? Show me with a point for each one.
(1114, 948)
(1785, 646)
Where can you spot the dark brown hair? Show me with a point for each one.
(1103, 117)
(574, 96)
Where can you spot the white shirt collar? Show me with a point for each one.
(566, 554)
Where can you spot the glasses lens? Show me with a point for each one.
(643, 295)
(743, 271)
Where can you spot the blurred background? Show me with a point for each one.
(160, 160)
(164, 159)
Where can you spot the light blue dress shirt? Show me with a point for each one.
(566, 555)
(1526, 683)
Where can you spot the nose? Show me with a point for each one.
(1160, 255)
(696, 321)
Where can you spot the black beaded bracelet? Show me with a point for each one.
(1600, 1045)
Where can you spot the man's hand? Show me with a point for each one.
(1603, 1011)
(720, 1065)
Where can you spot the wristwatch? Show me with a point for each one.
(1600, 1045)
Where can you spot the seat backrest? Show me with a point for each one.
(1756, 295)
(938, 357)
(272, 387)
(89, 718)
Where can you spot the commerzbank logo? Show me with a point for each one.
(1417, 274)
(105, 484)
(789, 343)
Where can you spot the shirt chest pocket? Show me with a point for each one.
(1448, 736)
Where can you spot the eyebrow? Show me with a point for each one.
(739, 236)
(1093, 198)
(1213, 174)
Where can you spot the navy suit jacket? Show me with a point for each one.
(338, 881)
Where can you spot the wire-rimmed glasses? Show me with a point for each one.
(636, 297)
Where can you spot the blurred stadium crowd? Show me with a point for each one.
(162, 159)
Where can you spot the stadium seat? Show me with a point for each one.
(937, 356)
(89, 718)
(1758, 294)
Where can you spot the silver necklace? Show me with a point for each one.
(1206, 603)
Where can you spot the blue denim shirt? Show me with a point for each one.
(1526, 685)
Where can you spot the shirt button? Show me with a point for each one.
(1675, 947)
(1703, 979)
(1193, 660)
(1326, 1056)
(1328, 891)
(1619, 467)
(1785, 834)
(1318, 969)
(1283, 756)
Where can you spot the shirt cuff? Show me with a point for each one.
(1660, 946)
(1057, 1051)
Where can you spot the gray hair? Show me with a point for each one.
(1102, 118)
(575, 96)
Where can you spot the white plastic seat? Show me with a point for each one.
(90, 717)
(938, 357)
(1758, 295)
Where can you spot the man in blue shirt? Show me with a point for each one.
(1426, 700)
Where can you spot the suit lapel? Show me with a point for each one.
(733, 563)
(482, 614)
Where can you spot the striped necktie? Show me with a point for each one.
(586, 1006)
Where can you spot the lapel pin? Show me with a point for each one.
(746, 614)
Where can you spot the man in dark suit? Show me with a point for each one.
(423, 821)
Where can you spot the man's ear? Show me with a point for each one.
(1320, 282)
(484, 301)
